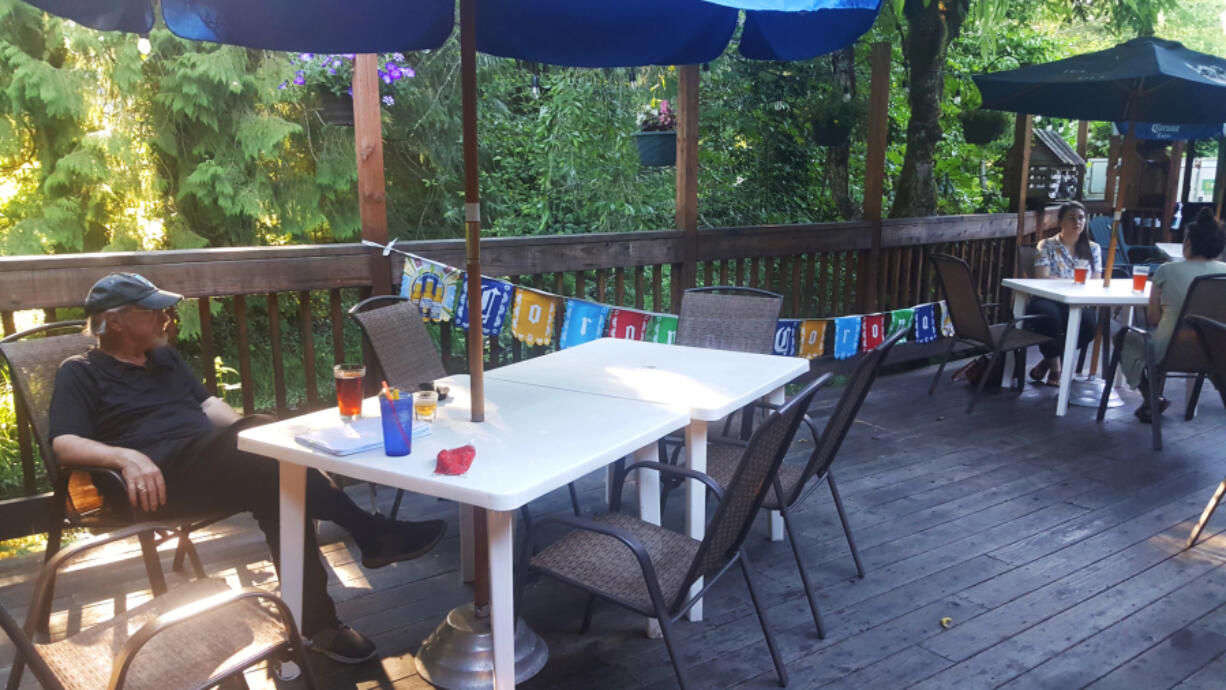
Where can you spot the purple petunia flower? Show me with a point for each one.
(349, 91)
(388, 100)
(331, 70)
(385, 77)
(336, 63)
(281, 87)
(349, 56)
(408, 73)
(394, 72)
(398, 57)
(300, 79)
(306, 56)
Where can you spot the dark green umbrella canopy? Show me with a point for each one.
(1146, 79)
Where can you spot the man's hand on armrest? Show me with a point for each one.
(146, 486)
(219, 412)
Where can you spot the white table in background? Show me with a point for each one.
(533, 440)
(1173, 250)
(705, 384)
(1065, 291)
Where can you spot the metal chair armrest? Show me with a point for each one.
(712, 485)
(27, 652)
(75, 323)
(44, 587)
(182, 614)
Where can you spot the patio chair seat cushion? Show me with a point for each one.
(181, 656)
(723, 459)
(1017, 338)
(602, 564)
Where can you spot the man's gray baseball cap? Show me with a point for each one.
(120, 289)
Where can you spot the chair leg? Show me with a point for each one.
(574, 498)
(666, 631)
(1155, 407)
(1189, 413)
(838, 505)
(766, 628)
(396, 503)
(1109, 378)
(153, 566)
(187, 547)
(1206, 514)
(588, 610)
(1019, 369)
(804, 576)
(983, 381)
(949, 351)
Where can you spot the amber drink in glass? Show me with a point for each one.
(349, 389)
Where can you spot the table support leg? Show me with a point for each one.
(502, 595)
(1019, 309)
(293, 535)
(776, 397)
(1069, 361)
(696, 497)
(468, 555)
(648, 482)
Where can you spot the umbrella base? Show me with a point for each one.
(1088, 392)
(459, 654)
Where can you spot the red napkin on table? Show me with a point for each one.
(455, 460)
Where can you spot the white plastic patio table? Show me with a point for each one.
(706, 384)
(533, 440)
(1065, 291)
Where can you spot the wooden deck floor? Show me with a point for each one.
(1054, 545)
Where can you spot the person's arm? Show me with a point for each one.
(219, 412)
(1041, 271)
(137, 469)
(1154, 311)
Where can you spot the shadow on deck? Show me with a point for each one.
(1054, 545)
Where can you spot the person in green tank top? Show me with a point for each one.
(1202, 244)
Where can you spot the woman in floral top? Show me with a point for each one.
(1056, 258)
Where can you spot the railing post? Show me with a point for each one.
(687, 172)
(368, 141)
(1023, 132)
(869, 271)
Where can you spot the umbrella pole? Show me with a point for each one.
(1126, 150)
(472, 209)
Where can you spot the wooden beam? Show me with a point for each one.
(1171, 194)
(1023, 131)
(687, 170)
(368, 140)
(1083, 140)
(874, 173)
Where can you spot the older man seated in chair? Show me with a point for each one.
(133, 405)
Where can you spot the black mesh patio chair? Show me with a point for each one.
(795, 482)
(197, 635)
(406, 353)
(91, 497)
(971, 326)
(723, 317)
(649, 569)
(1184, 356)
(1212, 336)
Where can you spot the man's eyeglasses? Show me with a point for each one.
(169, 313)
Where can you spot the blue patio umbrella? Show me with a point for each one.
(1146, 79)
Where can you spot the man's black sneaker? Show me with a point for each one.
(342, 643)
(403, 541)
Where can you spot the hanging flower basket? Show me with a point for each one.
(657, 148)
(983, 126)
(337, 109)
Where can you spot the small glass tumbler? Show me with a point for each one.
(1081, 271)
(425, 405)
(1140, 275)
(397, 417)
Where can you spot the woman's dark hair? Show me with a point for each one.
(1082, 249)
(1205, 236)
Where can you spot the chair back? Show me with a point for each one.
(1099, 228)
(744, 493)
(843, 416)
(34, 361)
(1026, 255)
(1206, 297)
(729, 318)
(394, 328)
(962, 297)
(1211, 334)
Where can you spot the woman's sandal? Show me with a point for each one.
(1039, 371)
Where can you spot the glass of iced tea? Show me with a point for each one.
(425, 405)
(1081, 271)
(1140, 274)
(349, 389)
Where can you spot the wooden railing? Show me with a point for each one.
(280, 308)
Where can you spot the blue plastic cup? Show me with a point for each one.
(397, 439)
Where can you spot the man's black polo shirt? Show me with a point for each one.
(154, 409)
